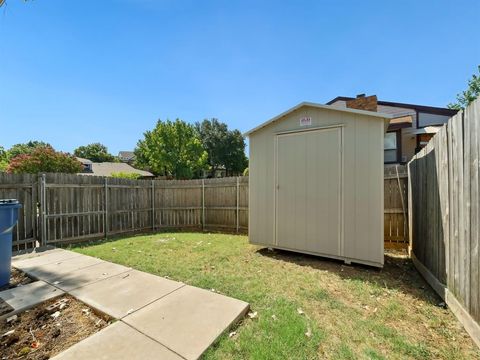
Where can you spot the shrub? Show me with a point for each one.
(44, 159)
(123, 175)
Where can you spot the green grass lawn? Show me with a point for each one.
(307, 307)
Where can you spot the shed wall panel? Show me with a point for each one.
(362, 216)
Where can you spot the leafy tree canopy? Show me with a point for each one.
(26, 148)
(95, 152)
(3, 159)
(468, 96)
(172, 148)
(44, 159)
(225, 148)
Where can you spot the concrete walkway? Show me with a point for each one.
(157, 318)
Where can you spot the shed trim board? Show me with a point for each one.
(329, 172)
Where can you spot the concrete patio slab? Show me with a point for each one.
(159, 318)
(30, 253)
(54, 270)
(188, 320)
(27, 296)
(118, 341)
(88, 275)
(44, 258)
(131, 291)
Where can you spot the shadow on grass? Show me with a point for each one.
(398, 272)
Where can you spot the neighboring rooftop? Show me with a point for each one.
(84, 161)
(420, 108)
(108, 168)
(126, 155)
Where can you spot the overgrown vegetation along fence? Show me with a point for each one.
(445, 215)
(62, 208)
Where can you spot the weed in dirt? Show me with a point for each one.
(49, 328)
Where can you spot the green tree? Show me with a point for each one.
(225, 148)
(213, 135)
(466, 97)
(26, 148)
(44, 159)
(95, 152)
(235, 159)
(172, 148)
(3, 159)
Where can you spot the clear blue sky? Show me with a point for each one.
(76, 72)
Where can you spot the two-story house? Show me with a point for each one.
(410, 129)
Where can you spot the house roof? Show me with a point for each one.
(420, 108)
(427, 130)
(107, 168)
(126, 154)
(318, 106)
(84, 161)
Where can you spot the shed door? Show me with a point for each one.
(309, 190)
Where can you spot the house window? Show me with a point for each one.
(390, 147)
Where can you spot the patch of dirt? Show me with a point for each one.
(48, 329)
(17, 278)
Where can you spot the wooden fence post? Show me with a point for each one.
(105, 208)
(203, 204)
(153, 205)
(238, 203)
(410, 208)
(400, 190)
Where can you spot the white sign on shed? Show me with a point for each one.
(305, 121)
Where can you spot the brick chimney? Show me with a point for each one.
(362, 102)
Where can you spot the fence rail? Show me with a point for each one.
(445, 215)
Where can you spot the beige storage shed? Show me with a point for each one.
(316, 182)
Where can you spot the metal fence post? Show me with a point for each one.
(153, 205)
(203, 204)
(43, 209)
(238, 204)
(105, 207)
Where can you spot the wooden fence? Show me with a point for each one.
(24, 188)
(395, 207)
(85, 207)
(63, 208)
(445, 215)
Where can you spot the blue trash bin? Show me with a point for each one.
(8, 218)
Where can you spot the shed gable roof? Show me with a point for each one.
(319, 106)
